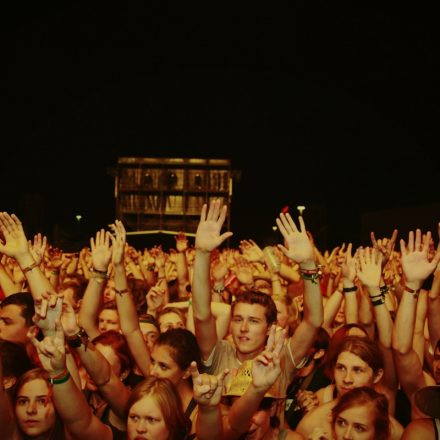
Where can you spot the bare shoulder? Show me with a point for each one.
(293, 435)
(419, 429)
(318, 417)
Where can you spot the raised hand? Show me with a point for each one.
(369, 266)
(68, 320)
(208, 235)
(15, 244)
(118, 239)
(219, 269)
(251, 251)
(181, 242)
(243, 270)
(101, 250)
(385, 247)
(48, 312)
(207, 388)
(415, 263)
(51, 350)
(298, 246)
(155, 297)
(266, 367)
(38, 247)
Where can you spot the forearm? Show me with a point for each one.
(182, 274)
(277, 288)
(241, 413)
(201, 298)
(331, 308)
(351, 304)
(313, 310)
(209, 423)
(434, 311)
(90, 305)
(419, 327)
(76, 414)
(128, 317)
(110, 386)
(404, 325)
(383, 319)
(39, 285)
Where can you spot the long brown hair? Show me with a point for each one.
(170, 404)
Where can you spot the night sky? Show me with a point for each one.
(333, 106)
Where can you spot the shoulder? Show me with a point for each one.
(419, 429)
(319, 417)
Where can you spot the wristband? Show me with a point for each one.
(349, 289)
(56, 381)
(29, 268)
(122, 291)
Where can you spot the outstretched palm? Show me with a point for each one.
(298, 246)
(208, 235)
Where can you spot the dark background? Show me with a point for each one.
(333, 106)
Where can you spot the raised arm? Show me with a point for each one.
(124, 301)
(181, 265)
(348, 271)
(416, 268)
(434, 305)
(299, 248)
(208, 238)
(16, 246)
(69, 401)
(101, 255)
(109, 385)
(207, 393)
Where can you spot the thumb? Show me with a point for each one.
(193, 370)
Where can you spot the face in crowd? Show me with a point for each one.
(13, 326)
(146, 421)
(34, 408)
(249, 328)
(351, 372)
(108, 319)
(170, 320)
(356, 423)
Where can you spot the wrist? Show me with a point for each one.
(414, 285)
(374, 290)
(347, 283)
(307, 265)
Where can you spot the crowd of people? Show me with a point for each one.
(208, 342)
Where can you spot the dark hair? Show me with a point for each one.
(14, 359)
(115, 340)
(184, 347)
(366, 349)
(378, 405)
(264, 300)
(25, 301)
(170, 404)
